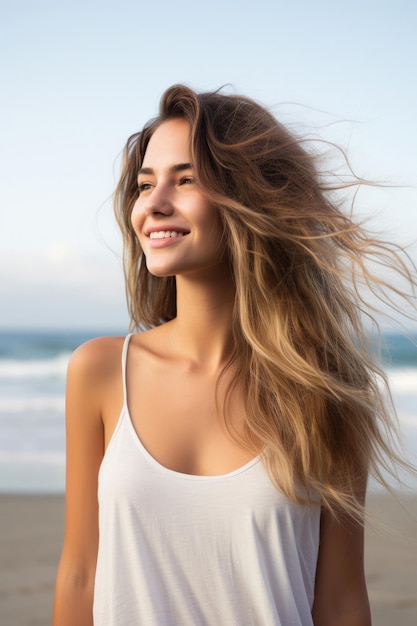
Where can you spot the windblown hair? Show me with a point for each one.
(314, 397)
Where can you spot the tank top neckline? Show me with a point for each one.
(162, 468)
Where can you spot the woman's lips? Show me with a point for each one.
(164, 238)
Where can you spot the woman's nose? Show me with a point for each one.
(159, 201)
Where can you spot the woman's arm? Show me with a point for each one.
(85, 445)
(341, 597)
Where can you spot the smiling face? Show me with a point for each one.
(179, 230)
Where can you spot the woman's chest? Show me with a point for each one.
(184, 422)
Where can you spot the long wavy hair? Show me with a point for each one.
(314, 396)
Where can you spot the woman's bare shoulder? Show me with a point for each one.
(97, 358)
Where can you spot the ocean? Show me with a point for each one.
(32, 398)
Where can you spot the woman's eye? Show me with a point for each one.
(143, 187)
(186, 180)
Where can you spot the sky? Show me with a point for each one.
(77, 78)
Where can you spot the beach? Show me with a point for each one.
(32, 475)
(31, 530)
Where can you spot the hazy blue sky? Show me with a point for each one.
(77, 78)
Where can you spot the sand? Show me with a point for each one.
(31, 529)
(391, 561)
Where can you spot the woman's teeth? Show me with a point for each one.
(164, 234)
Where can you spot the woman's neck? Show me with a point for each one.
(202, 328)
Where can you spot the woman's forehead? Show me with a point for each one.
(169, 145)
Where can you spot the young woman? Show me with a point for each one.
(230, 442)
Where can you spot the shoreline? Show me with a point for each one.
(31, 532)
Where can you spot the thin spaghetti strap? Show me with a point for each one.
(124, 366)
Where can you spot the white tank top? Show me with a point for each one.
(183, 550)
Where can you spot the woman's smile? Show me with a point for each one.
(164, 238)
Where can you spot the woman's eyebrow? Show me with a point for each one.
(180, 167)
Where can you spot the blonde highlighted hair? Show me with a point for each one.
(299, 262)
